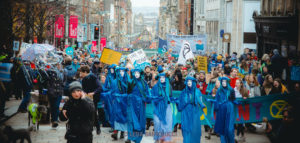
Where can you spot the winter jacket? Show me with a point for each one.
(80, 115)
(55, 83)
(90, 83)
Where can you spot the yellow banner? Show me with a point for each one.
(202, 63)
(109, 56)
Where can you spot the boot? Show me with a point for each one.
(115, 135)
(98, 131)
(122, 135)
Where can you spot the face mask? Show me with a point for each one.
(162, 79)
(112, 71)
(122, 72)
(224, 83)
(137, 75)
(189, 83)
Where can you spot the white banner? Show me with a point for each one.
(185, 53)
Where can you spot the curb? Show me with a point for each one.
(3, 120)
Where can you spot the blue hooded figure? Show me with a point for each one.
(106, 94)
(136, 115)
(225, 117)
(120, 92)
(163, 116)
(190, 104)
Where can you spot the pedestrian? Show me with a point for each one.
(79, 110)
(55, 91)
(69, 75)
(92, 87)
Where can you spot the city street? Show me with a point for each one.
(48, 135)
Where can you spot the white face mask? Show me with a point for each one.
(189, 83)
(162, 79)
(137, 75)
(122, 72)
(112, 71)
(224, 83)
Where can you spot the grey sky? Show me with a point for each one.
(145, 3)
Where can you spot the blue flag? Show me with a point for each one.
(162, 46)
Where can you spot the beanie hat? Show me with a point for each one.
(219, 57)
(75, 85)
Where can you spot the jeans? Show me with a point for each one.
(25, 100)
(54, 107)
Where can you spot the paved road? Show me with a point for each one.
(48, 135)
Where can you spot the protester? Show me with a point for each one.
(268, 87)
(138, 96)
(162, 109)
(279, 87)
(120, 90)
(253, 86)
(189, 103)
(224, 100)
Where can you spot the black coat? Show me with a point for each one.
(80, 115)
(90, 83)
(54, 84)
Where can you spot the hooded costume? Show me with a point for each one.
(119, 103)
(189, 104)
(162, 117)
(136, 109)
(224, 124)
(106, 94)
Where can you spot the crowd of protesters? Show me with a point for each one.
(249, 76)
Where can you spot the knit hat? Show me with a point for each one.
(75, 85)
(219, 57)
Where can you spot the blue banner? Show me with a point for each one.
(162, 46)
(197, 42)
(92, 30)
(249, 110)
(5, 72)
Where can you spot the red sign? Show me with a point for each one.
(59, 26)
(73, 26)
(102, 43)
(94, 46)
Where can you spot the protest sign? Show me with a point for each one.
(139, 59)
(70, 51)
(202, 63)
(197, 43)
(185, 53)
(109, 56)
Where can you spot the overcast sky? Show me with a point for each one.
(145, 3)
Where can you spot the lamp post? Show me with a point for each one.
(101, 13)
